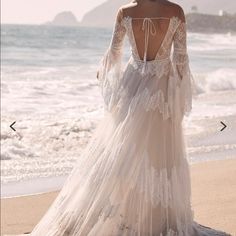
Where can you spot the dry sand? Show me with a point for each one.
(213, 200)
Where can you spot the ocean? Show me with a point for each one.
(49, 88)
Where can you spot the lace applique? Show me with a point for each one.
(127, 22)
(112, 57)
(181, 77)
(180, 38)
(160, 182)
(153, 186)
(180, 56)
(180, 80)
(156, 68)
(111, 63)
(150, 102)
(164, 49)
(147, 101)
(117, 40)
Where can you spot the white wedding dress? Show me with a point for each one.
(133, 177)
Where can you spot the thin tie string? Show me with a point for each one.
(148, 26)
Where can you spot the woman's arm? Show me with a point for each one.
(180, 55)
(113, 55)
(110, 69)
(182, 73)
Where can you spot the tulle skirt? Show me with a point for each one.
(133, 177)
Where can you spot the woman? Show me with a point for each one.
(133, 178)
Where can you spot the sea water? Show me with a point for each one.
(49, 89)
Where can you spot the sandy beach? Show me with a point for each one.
(213, 200)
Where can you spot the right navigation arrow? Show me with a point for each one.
(223, 125)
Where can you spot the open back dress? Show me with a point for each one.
(133, 177)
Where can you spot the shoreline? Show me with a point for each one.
(51, 184)
(213, 200)
(32, 187)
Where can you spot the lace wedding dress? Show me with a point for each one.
(133, 177)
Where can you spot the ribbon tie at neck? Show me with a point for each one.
(148, 27)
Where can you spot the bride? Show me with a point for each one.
(133, 177)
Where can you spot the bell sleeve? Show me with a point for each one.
(110, 70)
(181, 84)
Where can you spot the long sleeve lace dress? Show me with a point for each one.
(133, 177)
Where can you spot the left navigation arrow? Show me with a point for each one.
(12, 125)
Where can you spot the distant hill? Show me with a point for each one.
(104, 14)
(65, 18)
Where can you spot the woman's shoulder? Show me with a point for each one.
(129, 5)
(176, 10)
(127, 8)
(170, 8)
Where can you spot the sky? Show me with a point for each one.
(40, 11)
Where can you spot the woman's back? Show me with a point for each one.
(150, 23)
(152, 28)
(148, 8)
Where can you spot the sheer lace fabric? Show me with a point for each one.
(178, 88)
(133, 177)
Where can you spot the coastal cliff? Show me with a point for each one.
(202, 15)
(103, 15)
(196, 22)
(66, 18)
